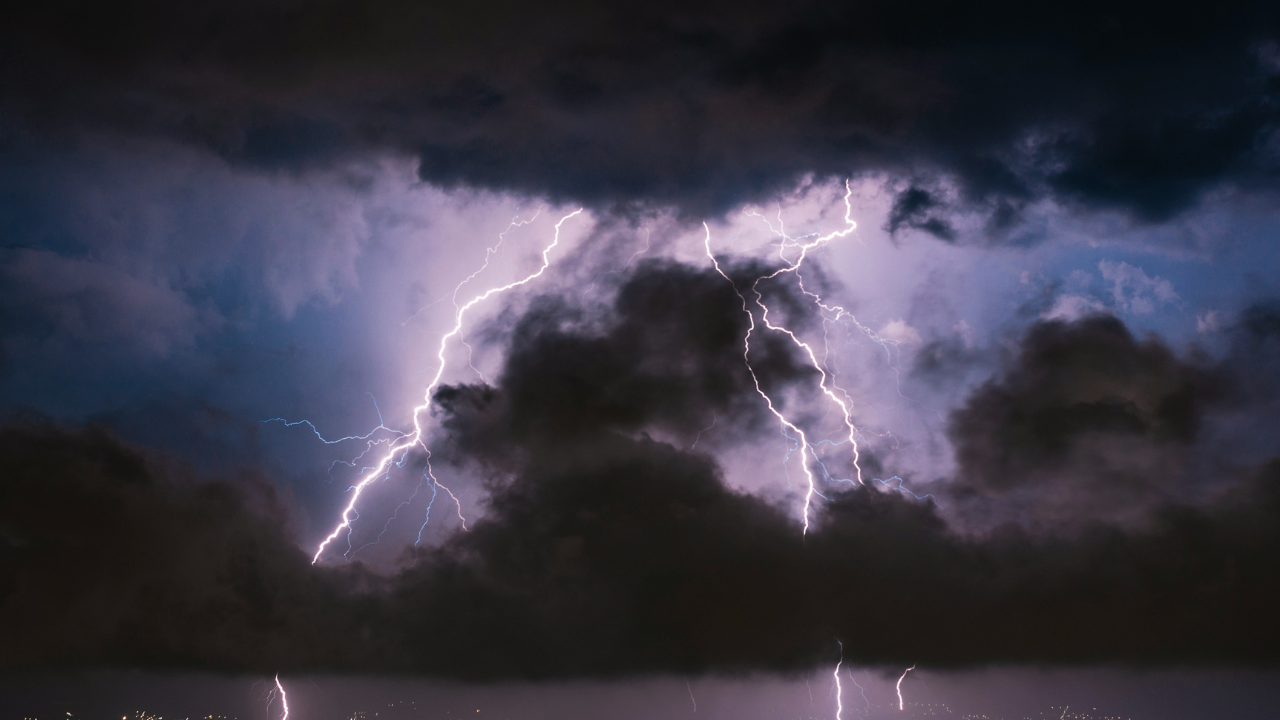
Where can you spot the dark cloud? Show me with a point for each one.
(1086, 413)
(113, 557)
(606, 550)
(1131, 106)
(1088, 422)
(671, 356)
(916, 208)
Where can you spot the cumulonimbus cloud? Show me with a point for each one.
(604, 551)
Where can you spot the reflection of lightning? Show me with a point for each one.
(1064, 712)
(824, 383)
(415, 438)
(901, 705)
(839, 690)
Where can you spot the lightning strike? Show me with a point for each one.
(284, 698)
(901, 705)
(839, 690)
(825, 383)
(406, 443)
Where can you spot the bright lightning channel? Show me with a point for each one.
(901, 705)
(284, 698)
(839, 690)
(415, 438)
(824, 382)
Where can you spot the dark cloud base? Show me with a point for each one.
(606, 552)
(1132, 106)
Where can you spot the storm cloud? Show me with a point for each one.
(984, 108)
(611, 547)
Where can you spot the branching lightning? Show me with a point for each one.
(381, 426)
(825, 383)
(284, 698)
(406, 442)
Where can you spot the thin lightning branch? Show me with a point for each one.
(427, 519)
(620, 270)
(901, 705)
(405, 444)
(900, 488)
(381, 426)
(639, 252)
(824, 384)
(867, 703)
(450, 494)
(691, 697)
(699, 437)
(471, 364)
(396, 514)
(488, 255)
(420, 310)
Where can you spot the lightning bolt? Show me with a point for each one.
(403, 445)
(284, 698)
(901, 705)
(839, 690)
(825, 383)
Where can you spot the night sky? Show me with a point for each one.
(640, 360)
